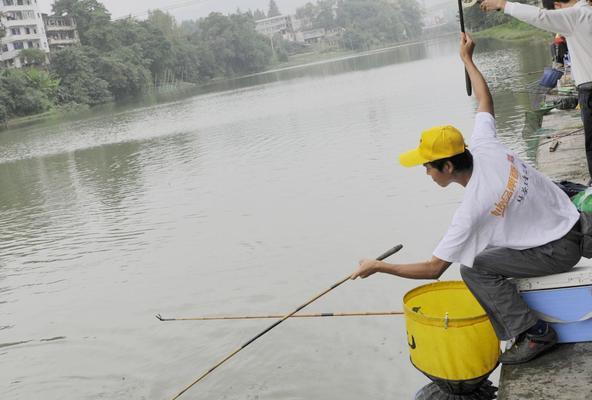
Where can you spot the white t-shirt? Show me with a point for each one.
(506, 203)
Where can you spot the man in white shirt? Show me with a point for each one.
(512, 222)
(572, 19)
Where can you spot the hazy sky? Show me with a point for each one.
(187, 9)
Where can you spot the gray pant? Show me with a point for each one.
(488, 282)
(585, 100)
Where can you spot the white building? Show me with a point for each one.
(60, 31)
(281, 24)
(310, 36)
(24, 27)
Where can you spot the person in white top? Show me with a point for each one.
(512, 222)
(572, 19)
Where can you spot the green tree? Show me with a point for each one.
(307, 14)
(165, 22)
(18, 97)
(125, 78)
(274, 11)
(258, 14)
(325, 17)
(124, 58)
(78, 80)
(87, 13)
(2, 28)
(41, 80)
(33, 57)
(235, 45)
(411, 14)
(374, 21)
(364, 23)
(188, 61)
(151, 48)
(280, 47)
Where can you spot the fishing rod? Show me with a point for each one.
(276, 316)
(228, 357)
(551, 140)
(462, 29)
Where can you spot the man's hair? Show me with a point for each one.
(461, 162)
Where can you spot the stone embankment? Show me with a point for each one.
(566, 371)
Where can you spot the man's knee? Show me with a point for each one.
(466, 272)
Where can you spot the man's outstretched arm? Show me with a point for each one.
(480, 88)
(561, 21)
(431, 269)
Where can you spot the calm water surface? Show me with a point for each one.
(249, 198)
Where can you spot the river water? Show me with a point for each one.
(248, 198)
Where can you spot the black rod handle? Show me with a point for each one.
(390, 252)
(461, 17)
(468, 83)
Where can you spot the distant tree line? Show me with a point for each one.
(364, 23)
(125, 57)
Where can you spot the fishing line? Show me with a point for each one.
(559, 136)
(277, 316)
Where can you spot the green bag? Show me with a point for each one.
(583, 201)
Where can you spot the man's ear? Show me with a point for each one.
(448, 167)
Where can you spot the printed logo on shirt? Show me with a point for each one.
(514, 183)
(500, 206)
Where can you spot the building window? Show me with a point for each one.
(4, 48)
(18, 45)
(15, 31)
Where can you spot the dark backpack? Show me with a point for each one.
(586, 230)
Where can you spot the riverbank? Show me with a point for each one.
(561, 153)
(163, 93)
(564, 372)
(57, 113)
(179, 89)
(514, 31)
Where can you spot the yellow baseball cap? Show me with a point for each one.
(435, 143)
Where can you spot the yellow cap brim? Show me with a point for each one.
(412, 158)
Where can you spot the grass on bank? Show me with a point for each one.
(514, 30)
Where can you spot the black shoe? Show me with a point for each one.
(529, 346)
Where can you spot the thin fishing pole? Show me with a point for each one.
(228, 357)
(570, 133)
(276, 316)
